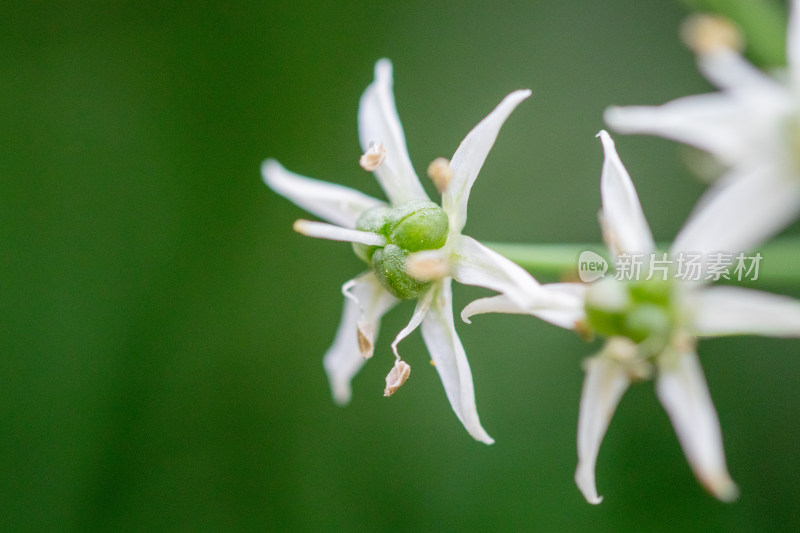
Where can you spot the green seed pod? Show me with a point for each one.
(418, 225)
(647, 321)
(389, 266)
(374, 220)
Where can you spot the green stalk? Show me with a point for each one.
(780, 259)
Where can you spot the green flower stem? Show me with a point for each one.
(780, 259)
(763, 23)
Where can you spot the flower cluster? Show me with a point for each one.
(413, 248)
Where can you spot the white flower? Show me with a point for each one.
(752, 125)
(387, 246)
(652, 328)
(644, 345)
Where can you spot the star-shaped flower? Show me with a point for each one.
(408, 233)
(752, 126)
(651, 328)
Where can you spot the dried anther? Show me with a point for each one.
(396, 377)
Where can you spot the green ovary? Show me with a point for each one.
(638, 310)
(410, 227)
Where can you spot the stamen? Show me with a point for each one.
(440, 172)
(396, 377)
(321, 230)
(704, 34)
(373, 157)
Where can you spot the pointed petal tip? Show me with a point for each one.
(486, 439)
(383, 70)
(584, 479)
(341, 392)
(605, 138)
(269, 168)
(722, 487)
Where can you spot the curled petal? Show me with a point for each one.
(475, 264)
(606, 381)
(365, 304)
(564, 309)
(739, 212)
(625, 226)
(439, 333)
(336, 204)
(378, 123)
(737, 311)
(682, 390)
(470, 155)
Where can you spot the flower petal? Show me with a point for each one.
(378, 123)
(740, 211)
(565, 309)
(737, 311)
(728, 70)
(731, 128)
(625, 227)
(365, 304)
(682, 390)
(321, 230)
(793, 43)
(439, 333)
(469, 158)
(337, 204)
(606, 381)
(476, 264)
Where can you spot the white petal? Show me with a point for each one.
(470, 155)
(321, 230)
(682, 390)
(439, 333)
(740, 211)
(625, 226)
(475, 264)
(564, 309)
(603, 387)
(728, 70)
(366, 303)
(378, 123)
(737, 311)
(337, 204)
(793, 43)
(733, 129)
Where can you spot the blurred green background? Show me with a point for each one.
(163, 327)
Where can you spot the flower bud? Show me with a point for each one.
(389, 266)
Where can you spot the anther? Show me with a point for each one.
(704, 33)
(396, 377)
(440, 172)
(373, 157)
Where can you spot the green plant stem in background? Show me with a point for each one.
(762, 21)
(779, 264)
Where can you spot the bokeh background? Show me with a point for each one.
(163, 327)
